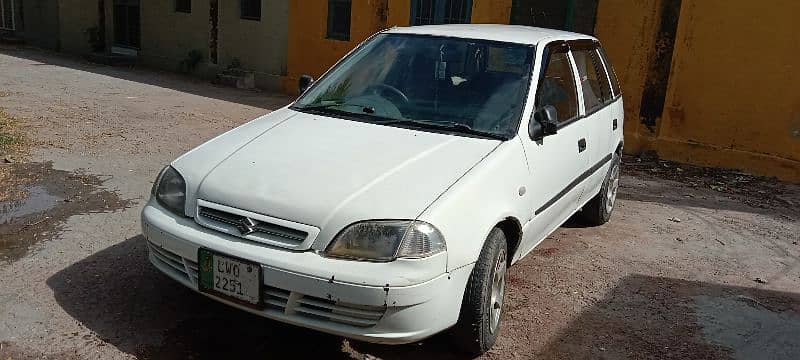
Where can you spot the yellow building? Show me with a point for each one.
(313, 45)
(728, 78)
(708, 82)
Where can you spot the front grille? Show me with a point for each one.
(250, 228)
(178, 265)
(282, 301)
(350, 314)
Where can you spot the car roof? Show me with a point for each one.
(496, 32)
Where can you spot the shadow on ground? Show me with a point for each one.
(120, 297)
(646, 317)
(149, 76)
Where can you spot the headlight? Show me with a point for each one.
(170, 190)
(386, 240)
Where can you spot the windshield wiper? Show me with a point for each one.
(446, 125)
(326, 106)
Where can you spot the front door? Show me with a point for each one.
(126, 24)
(557, 161)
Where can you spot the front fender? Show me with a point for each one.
(486, 195)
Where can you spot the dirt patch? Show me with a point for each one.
(756, 191)
(39, 198)
(11, 351)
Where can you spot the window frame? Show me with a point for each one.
(246, 17)
(594, 46)
(546, 53)
(187, 10)
(438, 15)
(330, 33)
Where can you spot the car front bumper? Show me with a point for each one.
(368, 309)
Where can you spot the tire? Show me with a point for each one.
(478, 325)
(598, 210)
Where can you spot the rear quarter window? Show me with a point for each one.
(594, 82)
(611, 73)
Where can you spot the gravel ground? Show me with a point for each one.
(695, 263)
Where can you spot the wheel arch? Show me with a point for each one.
(512, 229)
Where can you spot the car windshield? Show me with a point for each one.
(466, 86)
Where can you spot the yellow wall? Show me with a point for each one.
(491, 11)
(627, 31)
(732, 95)
(309, 52)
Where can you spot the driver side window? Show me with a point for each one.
(557, 86)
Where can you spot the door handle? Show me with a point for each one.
(614, 125)
(581, 145)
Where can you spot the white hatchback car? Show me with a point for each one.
(386, 203)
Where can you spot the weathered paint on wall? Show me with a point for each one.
(260, 46)
(76, 17)
(628, 31)
(731, 99)
(168, 36)
(491, 11)
(310, 52)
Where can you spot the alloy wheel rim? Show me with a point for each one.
(498, 290)
(613, 187)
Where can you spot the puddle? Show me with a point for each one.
(750, 329)
(40, 199)
(37, 200)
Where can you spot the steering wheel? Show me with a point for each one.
(378, 88)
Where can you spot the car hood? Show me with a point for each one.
(329, 172)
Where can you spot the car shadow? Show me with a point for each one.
(127, 303)
(151, 76)
(646, 317)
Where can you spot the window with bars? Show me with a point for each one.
(339, 19)
(183, 6)
(250, 9)
(427, 12)
(7, 8)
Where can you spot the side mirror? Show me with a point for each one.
(544, 122)
(304, 83)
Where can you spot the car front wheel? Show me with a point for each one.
(481, 309)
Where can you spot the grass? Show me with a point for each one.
(9, 138)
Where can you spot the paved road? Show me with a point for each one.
(673, 275)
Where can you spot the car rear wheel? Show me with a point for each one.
(482, 307)
(598, 210)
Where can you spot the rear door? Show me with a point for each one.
(599, 116)
(557, 161)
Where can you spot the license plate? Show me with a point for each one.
(229, 277)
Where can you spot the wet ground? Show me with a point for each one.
(43, 198)
(695, 263)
